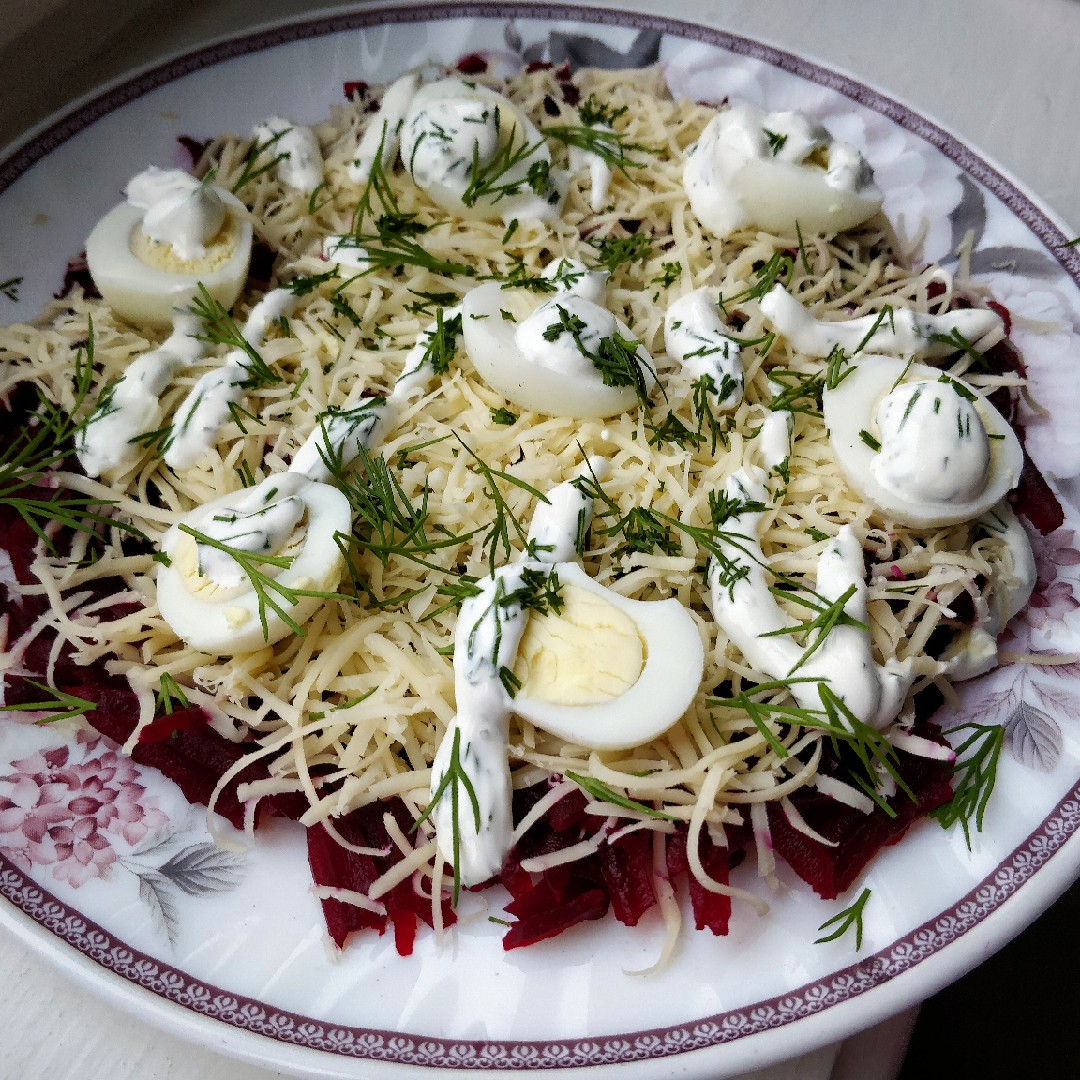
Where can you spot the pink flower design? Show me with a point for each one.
(1053, 597)
(66, 815)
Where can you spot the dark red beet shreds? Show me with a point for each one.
(830, 871)
(335, 866)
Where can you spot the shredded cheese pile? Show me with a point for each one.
(352, 711)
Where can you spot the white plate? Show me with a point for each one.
(230, 951)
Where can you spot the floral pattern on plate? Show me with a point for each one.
(80, 812)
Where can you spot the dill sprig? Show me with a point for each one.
(270, 593)
(62, 705)
(834, 719)
(495, 180)
(977, 774)
(442, 342)
(601, 792)
(672, 431)
(453, 780)
(611, 147)
(42, 446)
(594, 111)
(885, 315)
(387, 523)
(779, 265)
(540, 591)
(389, 241)
(801, 392)
(615, 357)
(645, 530)
(619, 363)
(850, 917)
(253, 167)
(957, 341)
(830, 614)
(169, 695)
(615, 251)
(703, 391)
(221, 329)
(776, 140)
(519, 276)
(496, 539)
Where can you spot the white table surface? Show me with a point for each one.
(1001, 74)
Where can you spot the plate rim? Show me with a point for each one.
(1043, 223)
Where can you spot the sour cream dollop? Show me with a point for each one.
(567, 355)
(300, 161)
(774, 170)
(696, 336)
(928, 450)
(174, 233)
(456, 133)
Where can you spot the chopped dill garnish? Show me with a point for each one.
(978, 775)
(776, 140)
(452, 780)
(615, 251)
(851, 917)
(253, 167)
(602, 793)
(62, 705)
(221, 329)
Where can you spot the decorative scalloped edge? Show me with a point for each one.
(97, 944)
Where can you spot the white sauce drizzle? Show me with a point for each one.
(746, 610)
(774, 439)
(696, 337)
(105, 442)
(600, 173)
(206, 408)
(343, 250)
(486, 639)
(178, 210)
(902, 332)
(301, 165)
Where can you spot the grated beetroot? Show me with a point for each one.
(472, 64)
(712, 910)
(337, 867)
(165, 727)
(626, 865)
(829, 871)
(1033, 498)
(563, 897)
